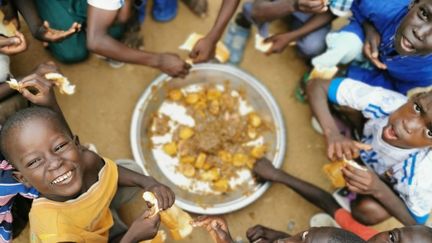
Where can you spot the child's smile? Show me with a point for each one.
(406, 45)
(63, 179)
(48, 159)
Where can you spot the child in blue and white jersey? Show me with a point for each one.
(398, 133)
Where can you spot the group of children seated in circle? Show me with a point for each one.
(382, 95)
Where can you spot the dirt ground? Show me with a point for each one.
(100, 112)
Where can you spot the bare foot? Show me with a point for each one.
(264, 234)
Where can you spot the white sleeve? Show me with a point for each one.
(106, 4)
(418, 186)
(373, 102)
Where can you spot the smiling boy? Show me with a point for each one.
(395, 35)
(397, 182)
(77, 186)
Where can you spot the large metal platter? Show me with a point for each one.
(258, 97)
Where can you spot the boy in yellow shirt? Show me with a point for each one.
(76, 185)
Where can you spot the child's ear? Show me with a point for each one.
(20, 178)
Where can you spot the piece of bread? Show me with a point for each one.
(324, 73)
(14, 84)
(62, 83)
(174, 218)
(334, 173)
(222, 53)
(159, 238)
(8, 29)
(260, 45)
(150, 198)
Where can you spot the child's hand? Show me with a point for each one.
(38, 90)
(163, 194)
(259, 233)
(203, 50)
(265, 170)
(216, 226)
(312, 6)
(13, 45)
(47, 34)
(143, 228)
(360, 181)
(48, 67)
(173, 65)
(371, 43)
(340, 147)
(280, 42)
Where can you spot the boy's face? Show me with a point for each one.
(414, 35)
(410, 126)
(417, 233)
(46, 158)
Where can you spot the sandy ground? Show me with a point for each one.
(100, 112)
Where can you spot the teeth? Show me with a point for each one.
(62, 177)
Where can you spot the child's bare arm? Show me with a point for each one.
(338, 146)
(367, 182)
(100, 42)
(205, 48)
(164, 194)
(267, 10)
(264, 169)
(281, 41)
(371, 44)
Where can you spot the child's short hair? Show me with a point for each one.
(343, 236)
(18, 119)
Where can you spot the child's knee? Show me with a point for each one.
(368, 212)
(77, 55)
(310, 47)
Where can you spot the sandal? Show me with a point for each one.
(300, 91)
(198, 7)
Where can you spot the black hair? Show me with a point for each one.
(343, 236)
(21, 117)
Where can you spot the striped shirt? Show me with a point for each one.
(408, 169)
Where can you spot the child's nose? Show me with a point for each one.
(54, 162)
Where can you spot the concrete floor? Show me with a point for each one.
(100, 112)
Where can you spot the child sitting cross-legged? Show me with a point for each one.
(79, 189)
(265, 170)
(398, 133)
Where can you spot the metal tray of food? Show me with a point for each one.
(257, 96)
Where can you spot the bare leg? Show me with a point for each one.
(368, 211)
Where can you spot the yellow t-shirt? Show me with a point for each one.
(84, 219)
